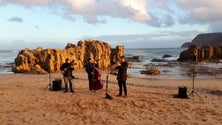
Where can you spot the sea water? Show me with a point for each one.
(171, 71)
(146, 55)
(7, 58)
(169, 67)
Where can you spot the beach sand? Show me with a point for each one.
(25, 101)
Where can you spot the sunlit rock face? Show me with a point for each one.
(49, 60)
(206, 52)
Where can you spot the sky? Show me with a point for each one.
(132, 23)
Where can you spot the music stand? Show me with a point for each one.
(194, 67)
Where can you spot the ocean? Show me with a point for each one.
(169, 68)
(146, 55)
(7, 58)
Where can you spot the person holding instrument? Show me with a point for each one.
(122, 75)
(67, 69)
(89, 71)
(96, 82)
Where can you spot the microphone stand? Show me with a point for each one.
(107, 80)
(49, 84)
(193, 91)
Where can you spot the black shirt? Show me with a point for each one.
(67, 68)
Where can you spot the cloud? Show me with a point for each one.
(36, 27)
(202, 10)
(138, 9)
(27, 3)
(15, 19)
(91, 10)
(215, 26)
(21, 44)
(157, 13)
(151, 40)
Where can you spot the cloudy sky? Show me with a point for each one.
(132, 23)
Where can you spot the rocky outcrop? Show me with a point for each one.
(203, 47)
(186, 45)
(206, 52)
(151, 70)
(49, 60)
(205, 39)
(208, 39)
(166, 56)
(188, 54)
(133, 59)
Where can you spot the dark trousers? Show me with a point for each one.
(90, 77)
(122, 86)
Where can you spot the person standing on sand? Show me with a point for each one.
(122, 75)
(89, 70)
(96, 79)
(67, 69)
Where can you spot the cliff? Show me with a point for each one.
(208, 39)
(204, 47)
(206, 52)
(186, 45)
(49, 60)
(205, 39)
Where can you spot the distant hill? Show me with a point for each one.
(205, 39)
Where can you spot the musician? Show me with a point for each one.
(89, 70)
(67, 69)
(96, 82)
(122, 75)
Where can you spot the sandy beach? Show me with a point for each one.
(25, 101)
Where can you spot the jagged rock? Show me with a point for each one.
(37, 69)
(116, 53)
(167, 56)
(158, 60)
(186, 45)
(151, 70)
(188, 54)
(133, 59)
(50, 60)
(205, 39)
(206, 52)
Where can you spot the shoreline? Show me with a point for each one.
(171, 74)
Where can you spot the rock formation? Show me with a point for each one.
(133, 59)
(205, 39)
(186, 45)
(203, 47)
(208, 39)
(49, 60)
(206, 52)
(188, 54)
(151, 70)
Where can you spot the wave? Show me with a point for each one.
(2, 64)
(9, 51)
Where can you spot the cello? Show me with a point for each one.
(96, 81)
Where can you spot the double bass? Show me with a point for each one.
(96, 83)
